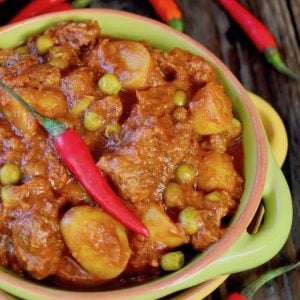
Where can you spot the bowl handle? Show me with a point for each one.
(252, 250)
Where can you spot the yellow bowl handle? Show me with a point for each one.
(274, 128)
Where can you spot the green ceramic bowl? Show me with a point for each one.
(237, 250)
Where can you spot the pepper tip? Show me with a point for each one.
(144, 231)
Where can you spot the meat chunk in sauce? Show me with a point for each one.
(184, 68)
(80, 36)
(154, 136)
(152, 145)
(33, 212)
(38, 244)
(79, 83)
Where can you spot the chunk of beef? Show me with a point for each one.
(22, 70)
(81, 36)
(134, 166)
(79, 83)
(11, 148)
(71, 274)
(155, 102)
(32, 211)
(145, 152)
(110, 108)
(38, 244)
(209, 232)
(180, 65)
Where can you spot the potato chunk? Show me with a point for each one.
(130, 61)
(216, 172)
(211, 110)
(20, 118)
(49, 102)
(161, 227)
(96, 241)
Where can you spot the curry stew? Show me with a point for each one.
(159, 126)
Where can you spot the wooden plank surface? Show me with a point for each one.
(209, 24)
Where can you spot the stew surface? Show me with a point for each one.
(160, 128)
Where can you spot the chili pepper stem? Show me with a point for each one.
(81, 3)
(274, 58)
(53, 127)
(177, 24)
(250, 290)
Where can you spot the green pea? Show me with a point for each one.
(180, 114)
(172, 261)
(173, 195)
(235, 129)
(92, 121)
(109, 84)
(59, 62)
(189, 220)
(81, 106)
(185, 173)
(10, 174)
(112, 129)
(22, 50)
(179, 98)
(6, 196)
(43, 44)
(214, 197)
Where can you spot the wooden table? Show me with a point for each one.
(206, 22)
(209, 24)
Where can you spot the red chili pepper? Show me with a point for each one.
(75, 154)
(249, 291)
(259, 34)
(35, 8)
(59, 7)
(169, 12)
(236, 296)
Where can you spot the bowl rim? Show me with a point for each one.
(232, 233)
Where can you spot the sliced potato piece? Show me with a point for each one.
(96, 241)
(162, 228)
(135, 62)
(50, 103)
(211, 110)
(20, 118)
(216, 172)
